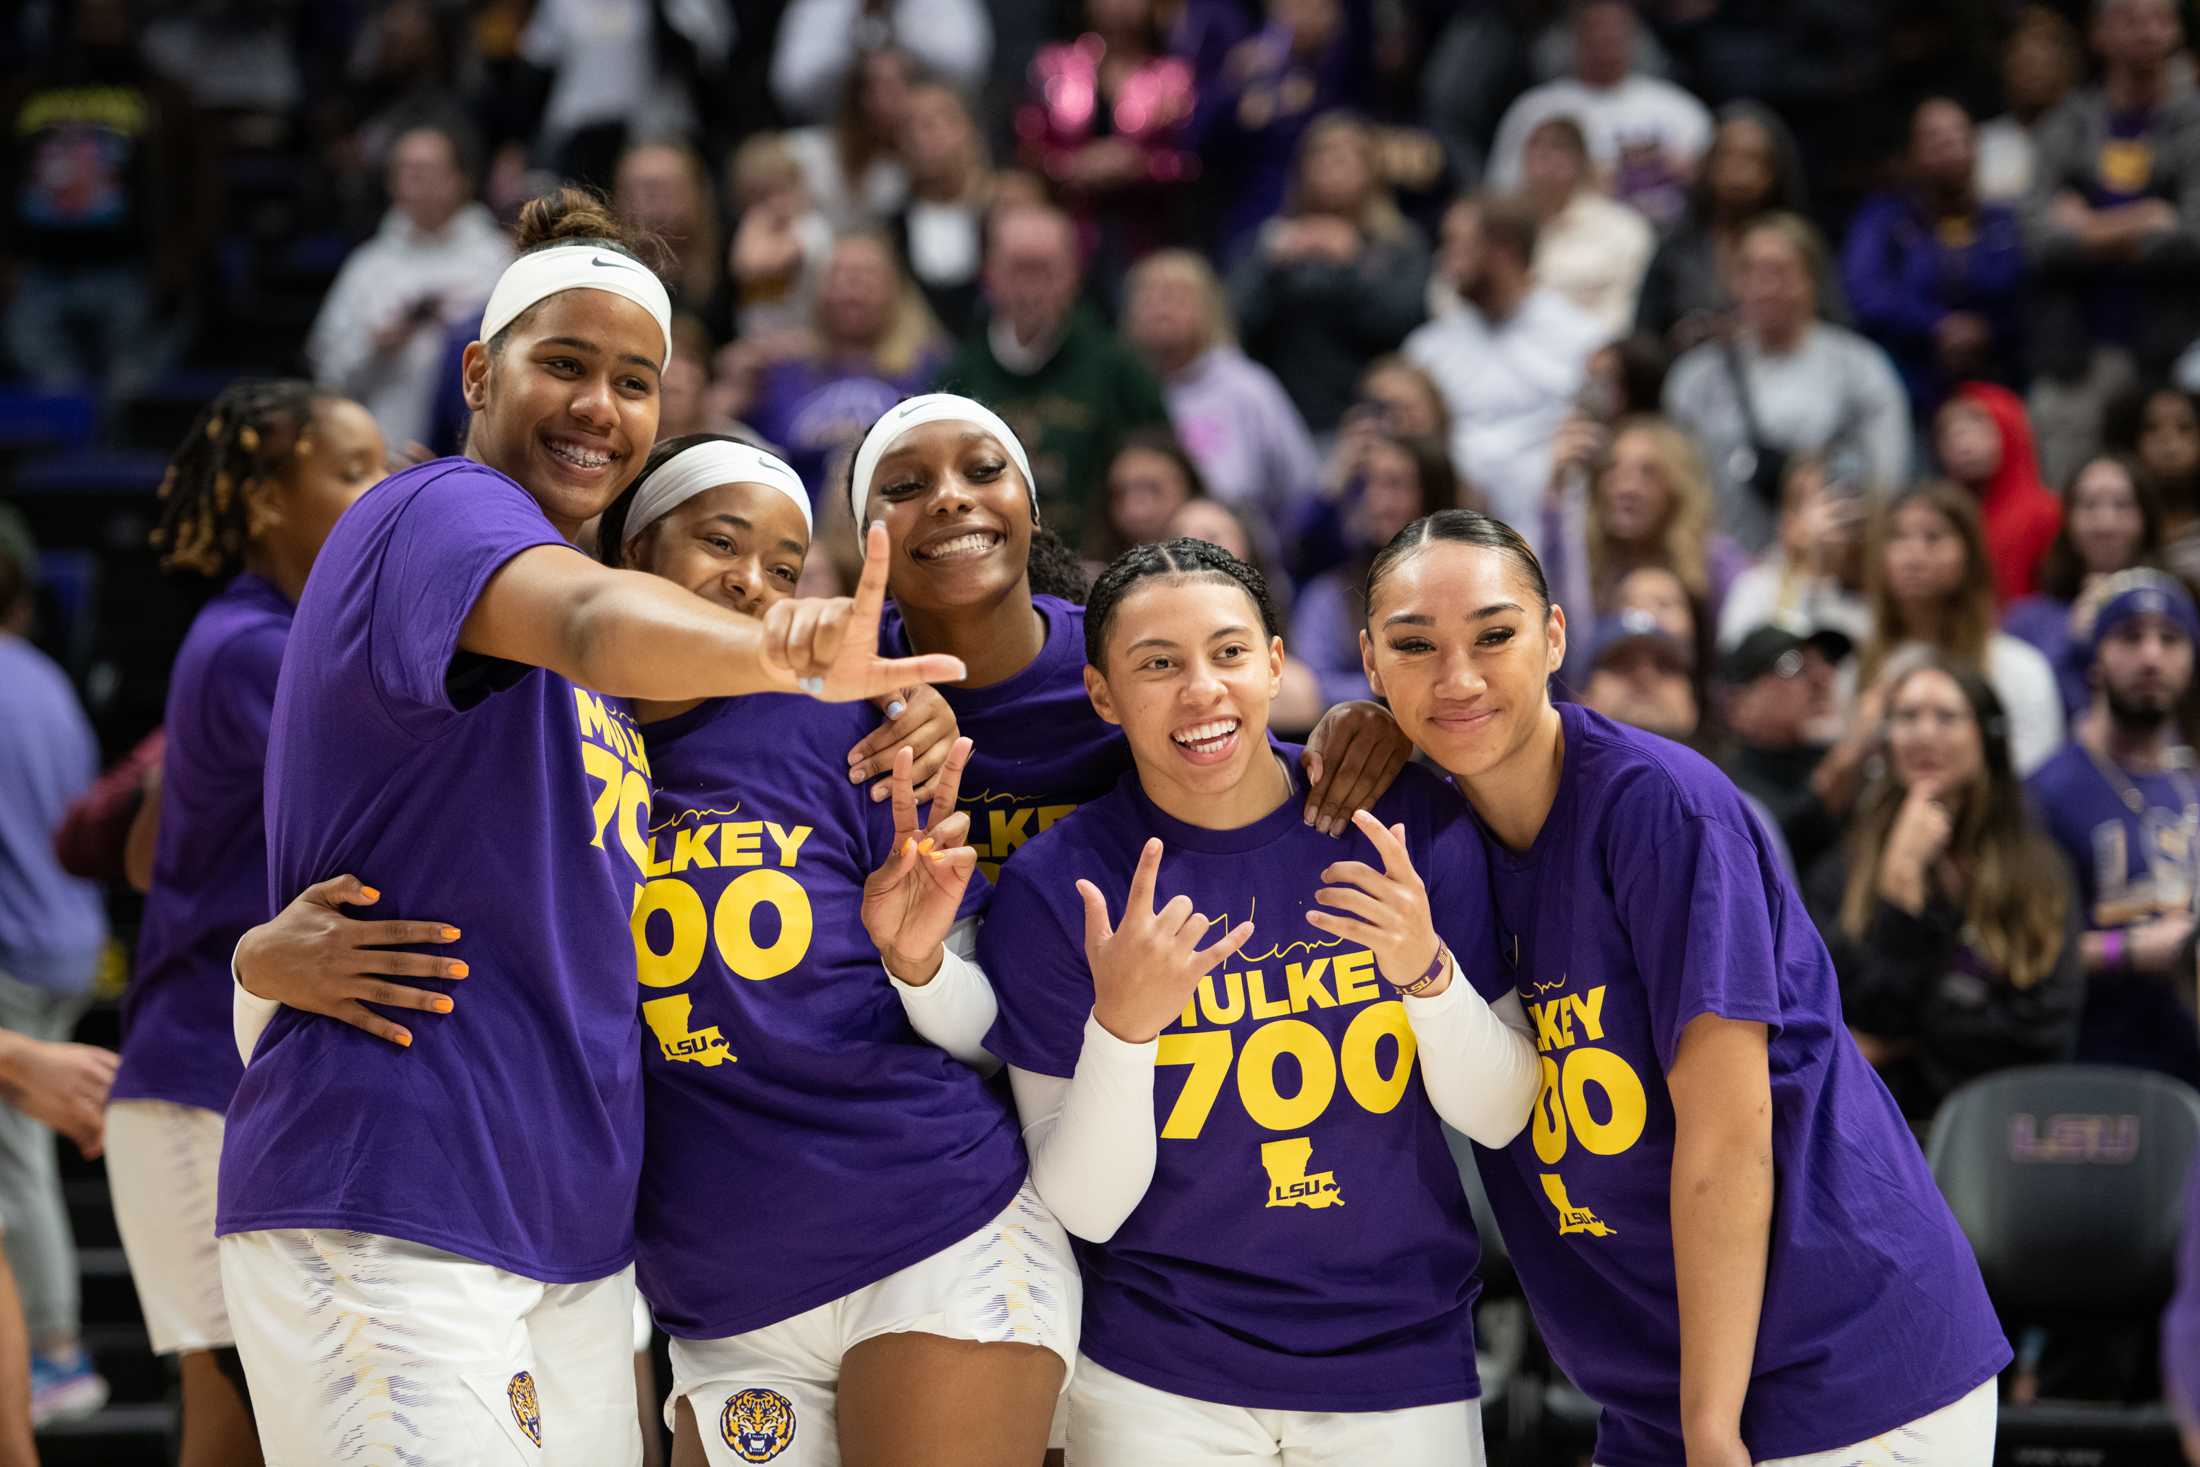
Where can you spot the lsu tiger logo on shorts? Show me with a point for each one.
(526, 1406)
(757, 1424)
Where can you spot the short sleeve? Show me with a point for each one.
(439, 552)
(1699, 921)
(1037, 965)
(240, 698)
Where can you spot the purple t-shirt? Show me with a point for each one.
(802, 1140)
(814, 410)
(1305, 1244)
(1651, 898)
(506, 801)
(1038, 748)
(2131, 868)
(210, 866)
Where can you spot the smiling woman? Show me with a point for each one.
(456, 730)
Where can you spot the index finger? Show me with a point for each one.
(1140, 900)
(904, 794)
(883, 674)
(947, 786)
(1388, 841)
(870, 597)
(400, 934)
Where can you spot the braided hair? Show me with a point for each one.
(213, 496)
(1172, 560)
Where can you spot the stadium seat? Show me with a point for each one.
(54, 421)
(2069, 1181)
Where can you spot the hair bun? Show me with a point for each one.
(573, 215)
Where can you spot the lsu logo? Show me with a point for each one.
(668, 1020)
(757, 1424)
(1572, 1219)
(526, 1407)
(1290, 1184)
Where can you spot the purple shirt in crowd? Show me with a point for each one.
(1305, 1243)
(814, 410)
(506, 801)
(210, 866)
(2044, 621)
(52, 924)
(803, 1140)
(2131, 868)
(1239, 425)
(1651, 898)
(1038, 748)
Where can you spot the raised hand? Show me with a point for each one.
(918, 719)
(1352, 758)
(909, 904)
(1144, 971)
(310, 956)
(829, 648)
(1384, 911)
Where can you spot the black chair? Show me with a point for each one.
(2069, 1181)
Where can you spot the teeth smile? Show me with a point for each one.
(1205, 738)
(975, 543)
(584, 458)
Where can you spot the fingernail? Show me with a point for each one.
(459, 970)
(935, 857)
(370, 893)
(878, 524)
(444, 1005)
(855, 775)
(404, 1039)
(450, 934)
(895, 710)
(925, 845)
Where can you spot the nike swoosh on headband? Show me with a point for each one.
(603, 264)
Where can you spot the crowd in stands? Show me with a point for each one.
(1840, 358)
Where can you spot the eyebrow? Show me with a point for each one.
(969, 436)
(739, 523)
(1422, 619)
(582, 343)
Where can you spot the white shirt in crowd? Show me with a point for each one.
(818, 41)
(400, 267)
(603, 57)
(867, 203)
(1594, 252)
(1639, 114)
(1508, 385)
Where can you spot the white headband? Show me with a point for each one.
(933, 407)
(542, 273)
(705, 466)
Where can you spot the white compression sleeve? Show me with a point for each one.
(956, 1009)
(1478, 1060)
(1091, 1137)
(248, 1013)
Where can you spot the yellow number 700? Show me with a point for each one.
(1210, 1053)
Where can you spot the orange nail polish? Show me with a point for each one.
(370, 893)
(925, 845)
(450, 934)
(444, 1005)
(405, 1040)
(459, 970)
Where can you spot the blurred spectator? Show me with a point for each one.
(1478, 62)
(2114, 214)
(1649, 505)
(1107, 122)
(1646, 136)
(851, 165)
(684, 388)
(97, 836)
(2121, 803)
(1231, 414)
(874, 342)
(2112, 521)
(1067, 385)
(940, 232)
(1752, 168)
(52, 930)
(379, 337)
(1776, 699)
(1509, 355)
(1934, 275)
(1948, 913)
(405, 65)
(2180, 1339)
(1400, 480)
(1626, 376)
(1929, 586)
(622, 69)
(2159, 427)
(1149, 480)
(1983, 442)
(1813, 578)
(102, 227)
(821, 42)
(232, 59)
(779, 246)
(1588, 248)
(1310, 58)
(2040, 63)
(664, 186)
(1787, 383)
(1661, 595)
(1338, 279)
(1643, 675)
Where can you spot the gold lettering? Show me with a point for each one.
(1007, 828)
(1305, 982)
(1354, 977)
(690, 847)
(788, 841)
(1589, 1008)
(1224, 1005)
(741, 843)
(1264, 1007)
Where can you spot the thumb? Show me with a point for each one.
(342, 891)
(1097, 928)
